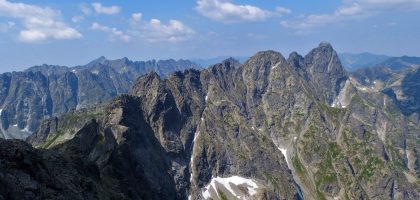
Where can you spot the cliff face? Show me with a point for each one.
(40, 92)
(271, 128)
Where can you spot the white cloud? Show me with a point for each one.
(353, 9)
(100, 9)
(78, 18)
(85, 10)
(156, 31)
(114, 33)
(226, 11)
(148, 30)
(283, 11)
(39, 23)
(137, 16)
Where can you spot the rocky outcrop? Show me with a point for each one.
(28, 173)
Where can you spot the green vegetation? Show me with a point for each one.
(222, 195)
(51, 141)
(300, 169)
(356, 99)
(333, 150)
(332, 112)
(368, 170)
(229, 120)
(272, 179)
(326, 173)
(320, 195)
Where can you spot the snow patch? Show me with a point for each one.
(212, 187)
(196, 135)
(284, 152)
(207, 97)
(253, 128)
(95, 72)
(295, 138)
(275, 66)
(1, 110)
(74, 71)
(26, 129)
(15, 125)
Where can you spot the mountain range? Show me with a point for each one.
(353, 62)
(45, 91)
(270, 128)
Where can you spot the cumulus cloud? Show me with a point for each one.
(114, 33)
(156, 31)
(136, 17)
(353, 9)
(152, 30)
(100, 9)
(174, 31)
(283, 11)
(39, 23)
(226, 11)
(78, 18)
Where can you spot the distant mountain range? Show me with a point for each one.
(40, 92)
(300, 127)
(352, 62)
(205, 62)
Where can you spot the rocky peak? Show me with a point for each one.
(323, 59)
(145, 83)
(266, 56)
(325, 72)
(325, 44)
(295, 60)
(99, 60)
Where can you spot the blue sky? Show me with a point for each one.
(75, 32)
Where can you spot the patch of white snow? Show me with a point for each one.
(284, 152)
(26, 129)
(275, 66)
(227, 183)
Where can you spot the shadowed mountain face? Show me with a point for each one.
(270, 128)
(40, 92)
